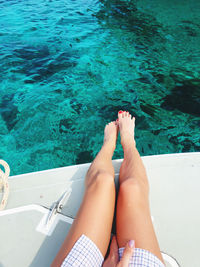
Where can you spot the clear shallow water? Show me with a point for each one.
(67, 67)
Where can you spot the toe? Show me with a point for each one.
(120, 114)
(124, 114)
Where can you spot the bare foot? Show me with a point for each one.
(110, 134)
(126, 127)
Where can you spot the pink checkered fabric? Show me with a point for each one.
(142, 258)
(86, 254)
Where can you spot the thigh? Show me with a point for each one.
(133, 220)
(94, 218)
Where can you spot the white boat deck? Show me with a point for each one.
(26, 240)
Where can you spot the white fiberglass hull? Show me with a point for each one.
(30, 237)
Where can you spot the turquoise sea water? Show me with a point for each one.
(67, 67)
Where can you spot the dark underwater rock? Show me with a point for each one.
(65, 126)
(39, 64)
(9, 111)
(190, 28)
(187, 144)
(84, 157)
(77, 106)
(148, 109)
(32, 52)
(185, 97)
(141, 122)
(128, 17)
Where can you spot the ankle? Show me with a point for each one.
(129, 145)
(109, 146)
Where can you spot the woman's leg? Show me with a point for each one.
(133, 212)
(95, 215)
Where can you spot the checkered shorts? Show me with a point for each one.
(85, 254)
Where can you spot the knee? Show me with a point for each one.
(133, 190)
(101, 179)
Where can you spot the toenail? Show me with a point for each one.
(120, 111)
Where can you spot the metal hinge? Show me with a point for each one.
(57, 206)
